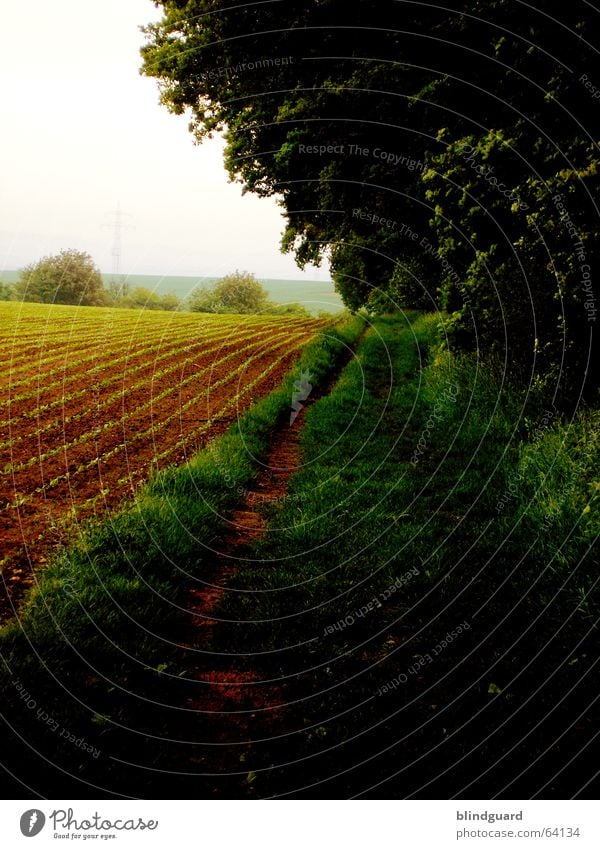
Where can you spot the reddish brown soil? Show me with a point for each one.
(50, 514)
(137, 365)
(231, 703)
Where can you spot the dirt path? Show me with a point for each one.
(227, 709)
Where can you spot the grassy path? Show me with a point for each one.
(223, 699)
(427, 643)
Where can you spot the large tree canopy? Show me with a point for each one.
(435, 155)
(69, 277)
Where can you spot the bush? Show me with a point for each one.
(239, 292)
(70, 277)
(145, 299)
(287, 309)
(6, 291)
(203, 299)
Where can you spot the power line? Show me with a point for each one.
(117, 226)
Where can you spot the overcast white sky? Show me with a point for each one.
(82, 131)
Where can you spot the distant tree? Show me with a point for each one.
(145, 299)
(170, 302)
(286, 309)
(117, 290)
(6, 291)
(239, 292)
(203, 299)
(70, 277)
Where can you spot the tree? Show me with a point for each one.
(239, 292)
(70, 277)
(316, 118)
(515, 198)
(203, 299)
(290, 308)
(410, 287)
(117, 290)
(6, 291)
(142, 298)
(416, 136)
(170, 302)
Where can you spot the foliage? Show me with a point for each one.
(458, 132)
(203, 299)
(239, 292)
(409, 288)
(524, 239)
(491, 510)
(269, 97)
(290, 308)
(6, 291)
(117, 290)
(69, 277)
(142, 298)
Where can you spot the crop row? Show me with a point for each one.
(224, 411)
(113, 355)
(106, 427)
(60, 347)
(70, 345)
(148, 344)
(231, 402)
(108, 364)
(140, 382)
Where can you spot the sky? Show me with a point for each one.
(83, 133)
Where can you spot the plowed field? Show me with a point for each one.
(91, 400)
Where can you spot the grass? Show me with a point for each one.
(100, 619)
(425, 601)
(401, 486)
